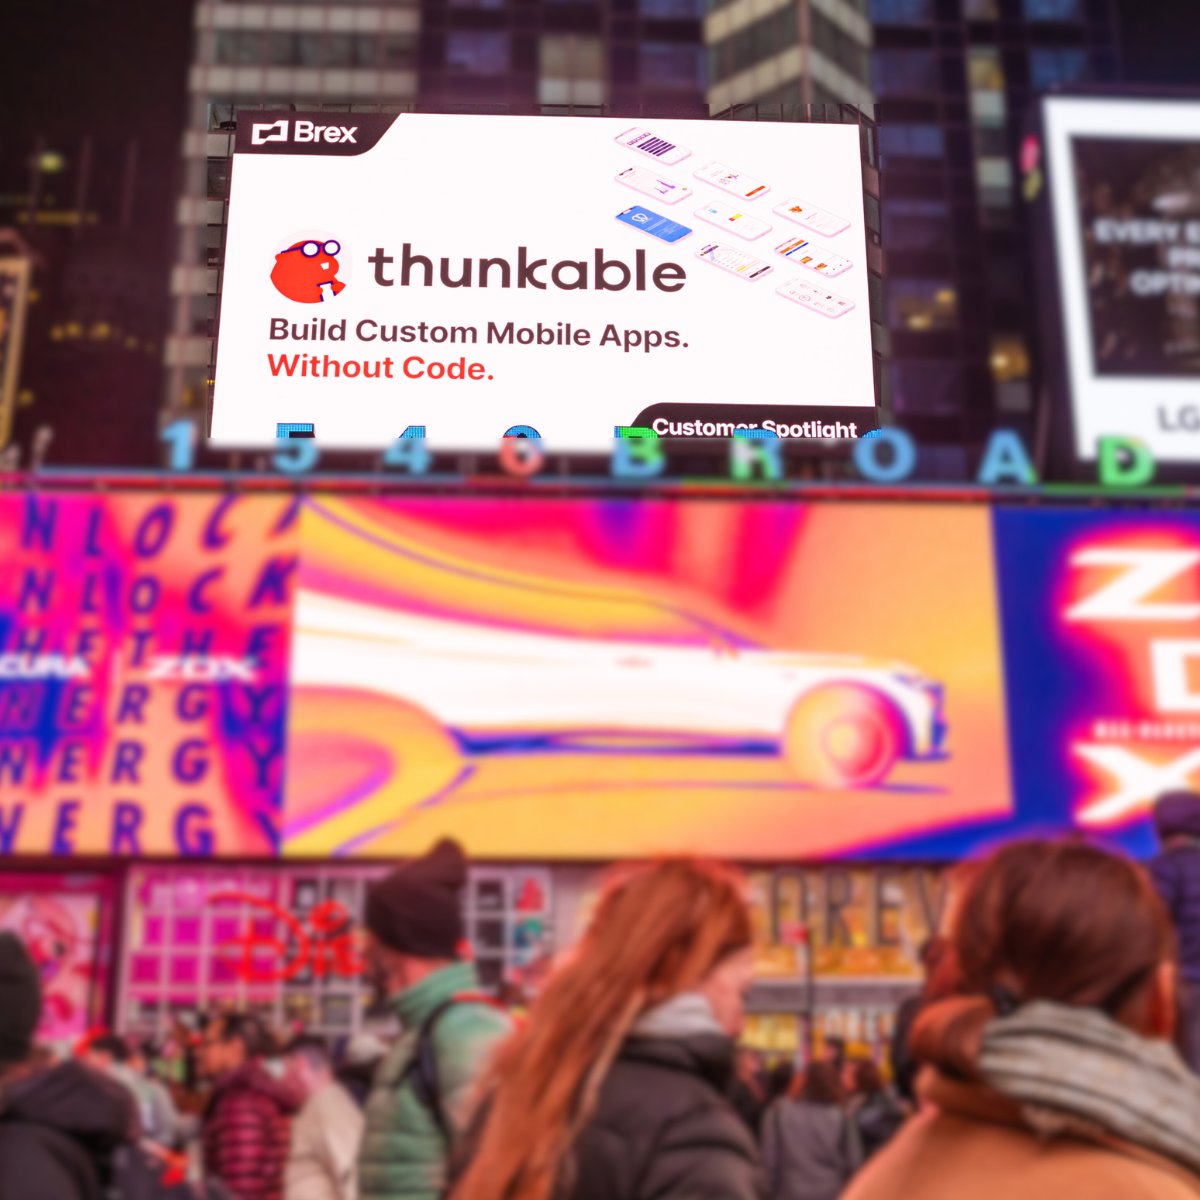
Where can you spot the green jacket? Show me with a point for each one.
(403, 1155)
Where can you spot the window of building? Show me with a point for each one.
(912, 141)
(398, 50)
(1049, 67)
(339, 50)
(671, 65)
(837, 45)
(922, 305)
(571, 69)
(480, 52)
(905, 73)
(981, 10)
(1054, 10)
(239, 47)
(901, 12)
(985, 80)
(915, 224)
(672, 9)
(927, 388)
(753, 43)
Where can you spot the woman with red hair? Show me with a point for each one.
(1049, 1073)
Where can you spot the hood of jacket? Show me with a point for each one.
(683, 1034)
(252, 1076)
(75, 1100)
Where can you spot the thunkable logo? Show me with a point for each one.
(306, 271)
(262, 132)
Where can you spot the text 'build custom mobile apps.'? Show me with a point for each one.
(306, 270)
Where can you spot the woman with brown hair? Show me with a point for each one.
(810, 1145)
(615, 1087)
(1050, 1073)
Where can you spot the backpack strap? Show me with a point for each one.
(422, 1069)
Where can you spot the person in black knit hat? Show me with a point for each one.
(417, 1108)
(58, 1126)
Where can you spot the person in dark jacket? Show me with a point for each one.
(933, 955)
(59, 1126)
(875, 1111)
(1176, 875)
(749, 1092)
(810, 1145)
(247, 1120)
(615, 1088)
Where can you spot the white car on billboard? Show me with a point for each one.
(835, 720)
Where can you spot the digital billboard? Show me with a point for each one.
(598, 679)
(1125, 207)
(143, 654)
(468, 275)
(1102, 635)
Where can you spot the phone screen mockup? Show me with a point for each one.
(736, 262)
(650, 184)
(649, 143)
(729, 180)
(815, 298)
(816, 258)
(725, 216)
(819, 220)
(655, 225)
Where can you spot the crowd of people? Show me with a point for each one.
(1047, 1054)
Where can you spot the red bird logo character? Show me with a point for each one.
(307, 271)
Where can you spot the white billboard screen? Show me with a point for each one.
(1125, 202)
(472, 274)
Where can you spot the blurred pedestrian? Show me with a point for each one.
(418, 1106)
(876, 1112)
(810, 1144)
(247, 1116)
(1176, 874)
(779, 1079)
(59, 1125)
(359, 1060)
(748, 1092)
(834, 1053)
(158, 1118)
(323, 1155)
(615, 1089)
(1051, 1075)
(933, 954)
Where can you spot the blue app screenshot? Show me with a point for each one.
(653, 224)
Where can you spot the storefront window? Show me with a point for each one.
(1050, 67)
(253, 938)
(905, 72)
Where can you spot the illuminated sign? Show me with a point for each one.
(1125, 210)
(563, 274)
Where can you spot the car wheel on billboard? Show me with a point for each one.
(843, 735)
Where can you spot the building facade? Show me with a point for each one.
(954, 81)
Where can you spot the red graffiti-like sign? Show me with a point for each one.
(326, 944)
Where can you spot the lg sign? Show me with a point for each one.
(302, 131)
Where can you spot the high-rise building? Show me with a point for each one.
(268, 55)
(954, 80)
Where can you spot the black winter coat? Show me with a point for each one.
(663, 1129)
(58, 1130)
(1176, 875)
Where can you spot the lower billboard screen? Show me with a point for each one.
(237, 677)
(585, 679)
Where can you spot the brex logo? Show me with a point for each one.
(302, 131)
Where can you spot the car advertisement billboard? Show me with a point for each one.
(143, 653)
(1125, 207)
(596, 679)
(468, 275)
